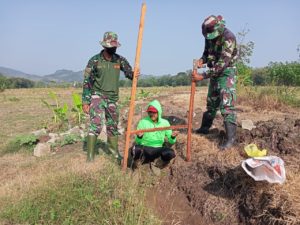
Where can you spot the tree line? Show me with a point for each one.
(15, 82)
(276, 73)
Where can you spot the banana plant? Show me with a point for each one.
(77, 108)
(59, 113)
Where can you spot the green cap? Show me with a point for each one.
(110, 40)
(213, 26)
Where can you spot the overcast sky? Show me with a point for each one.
(42, 36)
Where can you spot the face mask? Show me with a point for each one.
(111, 51)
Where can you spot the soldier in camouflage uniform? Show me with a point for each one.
(220, 54)
(101, 93)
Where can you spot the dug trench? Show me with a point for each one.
(213, 188)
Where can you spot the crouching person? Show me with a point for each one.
(150, 146)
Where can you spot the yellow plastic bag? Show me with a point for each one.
(253, 151)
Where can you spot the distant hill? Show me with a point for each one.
(59, 76)
(65, 76)
(16, 73)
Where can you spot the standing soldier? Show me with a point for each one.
(220, 54)
(101, 93)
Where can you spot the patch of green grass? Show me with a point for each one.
(13, 99)
(283, 94)
(70, 139)
(20, 142)
(104, 197)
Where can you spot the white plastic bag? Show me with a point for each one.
(269, 168)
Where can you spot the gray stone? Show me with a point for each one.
(39, 132)
(75, 130)
(42, 149)
(53, 135)
(247, 124)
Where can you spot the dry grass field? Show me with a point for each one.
(211, 189)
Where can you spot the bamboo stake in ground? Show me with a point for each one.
(191, 110)
(134, 84)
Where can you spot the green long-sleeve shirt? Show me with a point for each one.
(102, 76)
(219, 54)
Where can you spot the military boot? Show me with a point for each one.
(207, 121)
(91, 143)
(230, 129)
(112, 143)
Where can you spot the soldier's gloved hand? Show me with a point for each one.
(86, 108)
(138, 73)
(200, 63)
(197, 77)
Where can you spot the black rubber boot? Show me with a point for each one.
(160, 163)
(91, 143)
(230, 129)
(207, 121)
(113, 149)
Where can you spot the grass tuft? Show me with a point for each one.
(21, 142)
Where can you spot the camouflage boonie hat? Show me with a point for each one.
(213, 26)
(110, 40)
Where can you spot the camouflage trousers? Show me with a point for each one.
(222, 95)
(103, 111)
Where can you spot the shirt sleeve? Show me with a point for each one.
(126, 68)
(169, 136)
(205, 53)
(228, 52)
(88, 82)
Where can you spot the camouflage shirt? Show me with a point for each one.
(219, 53)
(91, 73)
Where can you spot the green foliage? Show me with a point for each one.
(244, 75)
(270, 95)
(288, 95)
(14, 82)
(125, 102)
(70, 139)
(245, 49)
(59, 113)
(143, 94)
(259, 76)
(104, 197)
(13, 99)
(77, 108)
(3, 83)
(284, 73)
(26, 142)
(180, 79)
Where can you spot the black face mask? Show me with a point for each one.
(111, 51)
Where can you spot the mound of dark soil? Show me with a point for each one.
(225, 195)
(279, 136)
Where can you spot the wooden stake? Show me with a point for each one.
(191, 110)
(134, 84)
(176, 127)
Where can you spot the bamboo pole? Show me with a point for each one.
(177, 127)
(134, 84)
(191, 110)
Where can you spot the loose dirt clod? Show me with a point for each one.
(278, 136)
